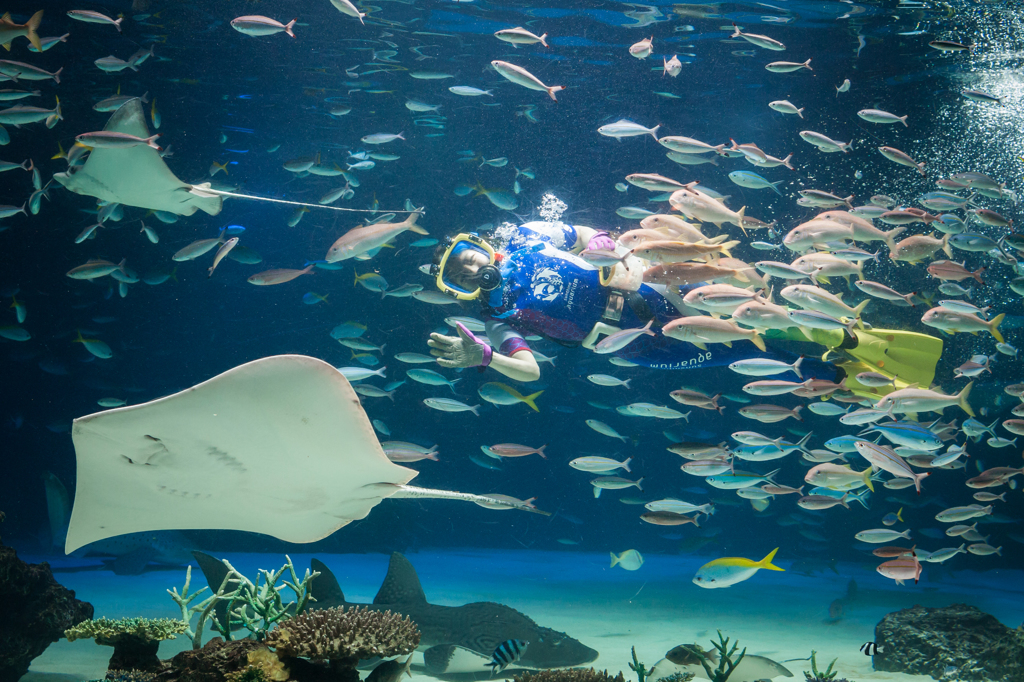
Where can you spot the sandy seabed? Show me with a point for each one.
(778, 615)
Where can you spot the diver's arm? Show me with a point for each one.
(520, 366)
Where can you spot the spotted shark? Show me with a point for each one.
(454, 639)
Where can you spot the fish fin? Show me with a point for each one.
(32, 25)
(859, 309)
(401, 585)
(867, 480)
(727, 344)
(758, 341)
(615, 559)
(700, 345)
(961, 399)
(529, 400)
(767, 562)
(994, 328)
(796, 365)
(327, 589)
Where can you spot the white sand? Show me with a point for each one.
(779, 615)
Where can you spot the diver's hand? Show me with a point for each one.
(464, 350)
(601, 241)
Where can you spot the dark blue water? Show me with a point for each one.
(210, 81)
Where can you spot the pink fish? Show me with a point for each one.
(513, 450)
(902, 568)
(278, 276)
(360, 240)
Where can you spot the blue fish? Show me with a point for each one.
(752, 180)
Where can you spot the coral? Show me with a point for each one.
(129, 676)
(107, 631)
(678, 677)
(816, 675)
(569, 675)
(347, 635)
(215, 662)
(264, 666)
(638, 667)
(36, 611)
(725, 663)
(263, 598)
(205, 608)
(135, 640)
(929, 641)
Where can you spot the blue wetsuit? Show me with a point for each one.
(547, 290)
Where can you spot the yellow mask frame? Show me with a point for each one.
(473, 240)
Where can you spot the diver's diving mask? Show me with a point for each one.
(448, 274)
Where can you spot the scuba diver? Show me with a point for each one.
(536, 283)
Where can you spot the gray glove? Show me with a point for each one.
(464, 350)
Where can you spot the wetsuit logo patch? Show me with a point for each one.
(546, 285)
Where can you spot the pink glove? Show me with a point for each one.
(601, 241)
(484, 346)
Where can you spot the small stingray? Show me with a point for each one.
(279, 446)
(136, 176)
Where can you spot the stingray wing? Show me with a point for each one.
(136, 176)
(279, 446)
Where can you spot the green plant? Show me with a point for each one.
(815, 674)
(638, 667)
(725, 662)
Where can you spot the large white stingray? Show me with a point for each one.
(136, 176)
(279, 446)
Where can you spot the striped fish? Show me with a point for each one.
(508, 652)
(884, 458)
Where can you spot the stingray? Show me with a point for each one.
(454, 640)
(136, 176)
(279, 446)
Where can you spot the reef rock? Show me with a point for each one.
(215, 662)
(36, 610)
(924, 641)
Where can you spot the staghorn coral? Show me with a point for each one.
(569, 675)
(135, 640)
(347, 635)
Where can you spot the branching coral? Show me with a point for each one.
(725, 663)
(258, 606)
(344, 635)
(254, 606)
